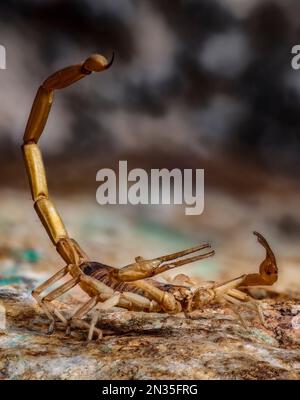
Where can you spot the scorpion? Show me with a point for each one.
(131, 287)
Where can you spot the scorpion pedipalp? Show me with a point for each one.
(143, 268)
(268, 270)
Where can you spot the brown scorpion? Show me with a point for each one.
(131, 287)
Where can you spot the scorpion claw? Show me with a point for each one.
(165, 262)
(188, 260)
(268, 270)
(173, 256)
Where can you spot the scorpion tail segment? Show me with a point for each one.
(70, 251)
(59, 80)
(69, 75)
(268, 270)
(34, 128)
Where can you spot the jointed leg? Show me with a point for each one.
(137, 302)
(83, 310)
(53, 295)
(93, 302)
(164, 299)
(238, 298)
(36, 292)
(226, 286)
(111, 302)
(127, 300)
(46, 301)
(248, 302)
(61, 290)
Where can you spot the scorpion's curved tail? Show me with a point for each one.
(32, 155)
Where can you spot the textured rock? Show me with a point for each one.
(141, 346)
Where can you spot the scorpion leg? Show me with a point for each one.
(46, 301)
(137, 302)
(109, 303)
(86, 308)
(127, 300)
(226, 286)
(37, 291)
(249, 302)
(164, 299)
(142, 268)
(238, 298)
(228, 292)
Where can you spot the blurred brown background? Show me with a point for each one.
(195, 84)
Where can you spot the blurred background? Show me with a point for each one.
(195, 84)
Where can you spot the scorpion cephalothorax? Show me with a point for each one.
(133, 286)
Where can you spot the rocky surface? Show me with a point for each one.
(213, 346)
(152, 346)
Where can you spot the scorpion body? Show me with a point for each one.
(133, 286)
